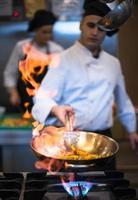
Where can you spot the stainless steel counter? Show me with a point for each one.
(16, 152)
(15, 136)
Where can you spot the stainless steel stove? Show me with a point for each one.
(100, 185)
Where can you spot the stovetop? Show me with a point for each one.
(101, 195)
(108, 185)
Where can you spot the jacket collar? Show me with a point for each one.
(86, 55)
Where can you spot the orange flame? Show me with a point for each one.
(31, 68)
(27, 114)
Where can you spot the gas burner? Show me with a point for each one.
(77, 189)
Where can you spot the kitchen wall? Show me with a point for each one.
(128, 53)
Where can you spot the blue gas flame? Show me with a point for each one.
(77, 188)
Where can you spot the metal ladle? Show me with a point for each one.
(70, 136)
(69, 124)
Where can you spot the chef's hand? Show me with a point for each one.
(133, 137)
(61, 111)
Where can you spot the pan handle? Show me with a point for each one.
(69, 165)
(69, 125)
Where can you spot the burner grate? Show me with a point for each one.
(45, 186)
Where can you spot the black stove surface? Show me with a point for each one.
(108, 185)
(101, 195)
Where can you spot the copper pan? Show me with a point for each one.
(101, 146)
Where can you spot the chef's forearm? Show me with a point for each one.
(42, 108)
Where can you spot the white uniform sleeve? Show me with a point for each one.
(49, 93)
(11, 70)
(126, 112)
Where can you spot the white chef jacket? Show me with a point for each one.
(11, 70)
(90, 85)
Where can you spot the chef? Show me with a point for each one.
(85, 82)
(42, 26)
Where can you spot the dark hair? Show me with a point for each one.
(41, 18)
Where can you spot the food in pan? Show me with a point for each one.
(77, 154)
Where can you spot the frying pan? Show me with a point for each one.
(58, 145)
(118, 16)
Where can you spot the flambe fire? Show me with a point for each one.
(30, 68)
(27, 114)
(33, 67)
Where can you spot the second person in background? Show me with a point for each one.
(42, 26)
